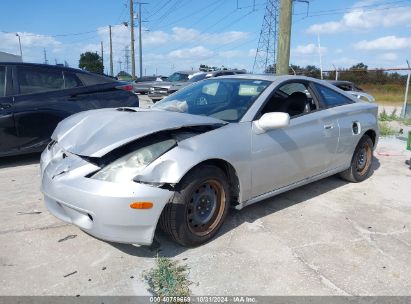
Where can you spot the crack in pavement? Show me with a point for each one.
(32, 229)
(323, 279)
(367, 235)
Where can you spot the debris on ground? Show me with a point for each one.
(29, 212)
(69, 237)
(69, 274)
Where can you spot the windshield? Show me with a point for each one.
(226, 99)
(177, 77)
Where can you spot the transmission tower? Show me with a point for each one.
(267, 43)
(127, 58)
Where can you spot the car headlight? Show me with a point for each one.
(127, 167)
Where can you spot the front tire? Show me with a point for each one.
(361, 162)
(198, 207)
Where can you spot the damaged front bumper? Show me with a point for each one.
(100, 208)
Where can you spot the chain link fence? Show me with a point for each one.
(387, 86)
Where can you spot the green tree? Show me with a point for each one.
(91, 62)
(123, 75)
(359, 66)
(270, 69)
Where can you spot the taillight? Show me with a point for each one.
(126, 87)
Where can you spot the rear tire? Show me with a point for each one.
(198, 207)
(361, 162)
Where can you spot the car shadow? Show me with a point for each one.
(165, 247)
(19, 160)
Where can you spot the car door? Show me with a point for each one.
(41, 102)
(304, 149)
(8, 137)
(336, 105)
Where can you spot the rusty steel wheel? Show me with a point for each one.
(361, 163)
(206, 207)
(363, 159)
(199, 206)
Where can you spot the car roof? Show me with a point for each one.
(268, 77)
(49, 66)
(189, 72)
(337, 82)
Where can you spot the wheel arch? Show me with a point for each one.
(230, 172)
(372, 134)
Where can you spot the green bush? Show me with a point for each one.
(385, 129)
(167, 278)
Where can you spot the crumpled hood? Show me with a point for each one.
(97, 132)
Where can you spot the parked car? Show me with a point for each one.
(159, 90)
(143, 84)
(200, 76)
(34, 98)
(352, 89)
(221, 142)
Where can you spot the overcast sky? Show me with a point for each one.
(182, 34)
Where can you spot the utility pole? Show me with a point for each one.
(404, 108)
(133, 62)
(319, 53)
(111, 53)
(45, 56)
(102, 54)
(21, 53)
(284, 37)
(140, 39)
(119, 63)
(140, 48)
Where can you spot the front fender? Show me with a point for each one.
(172, 166)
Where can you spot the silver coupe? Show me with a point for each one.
(222, 142)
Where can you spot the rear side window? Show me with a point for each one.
(71, 81)
(92, 79)
(34, 80)
(330, 97)
(2, 81)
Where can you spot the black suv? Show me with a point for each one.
(34, 98)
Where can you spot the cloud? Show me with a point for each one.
(388, 56)
(384, 43)
(181, 34)
(235, 53)
(198, 52)
(309, 49)
(10, 42)
(364, 19)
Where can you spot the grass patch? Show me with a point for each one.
(385, 128)
(387, 94)
(384, 116)
(168, 279)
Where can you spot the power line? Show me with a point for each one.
(156, 12)
(365, 8)
(201, 10)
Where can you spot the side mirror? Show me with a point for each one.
(270, 121)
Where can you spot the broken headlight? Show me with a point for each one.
(128, 166)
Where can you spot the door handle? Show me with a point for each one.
(329, 126)
(5, 106)
(72, 98)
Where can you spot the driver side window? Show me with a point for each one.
(293, 98)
